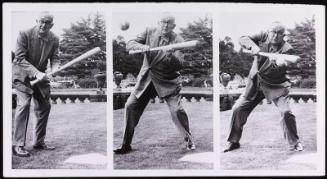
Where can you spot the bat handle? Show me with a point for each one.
(38, 80)
(34, 82)
(134, 51)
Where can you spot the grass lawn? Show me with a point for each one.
(157, 143)
(262, 143)
(74, 129)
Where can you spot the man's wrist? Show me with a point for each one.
(35, 74)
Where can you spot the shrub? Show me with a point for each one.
(87, 83)
(198, 82)
(308, 83)
(187, 83)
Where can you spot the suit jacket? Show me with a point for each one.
(31, 56)
(157, 68)
(270, 78)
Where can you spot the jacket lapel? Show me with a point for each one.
(154, 42)
(159, 54)
(47, 46)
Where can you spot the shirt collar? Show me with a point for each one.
(165, 37)
(45, 38)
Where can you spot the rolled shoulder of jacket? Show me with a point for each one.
(20, 60)
(139, 42)
(178, 55)
(246, 42)
(178, 38)
(56, 40)
(55, 51)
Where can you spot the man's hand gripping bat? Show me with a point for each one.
(78, 59)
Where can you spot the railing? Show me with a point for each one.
(71, 98)
(120, 98)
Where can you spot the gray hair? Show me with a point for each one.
(45, 14)
(277, 27)
(166, 16)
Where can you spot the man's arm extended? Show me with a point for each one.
(138, 43)
(250, 43)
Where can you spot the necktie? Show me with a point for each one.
(163, 41)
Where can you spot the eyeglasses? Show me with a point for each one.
(46, 22)
(166, 23)
(277, 32)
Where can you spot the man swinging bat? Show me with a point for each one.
(159, 75)
(34, 48)
(267, 79)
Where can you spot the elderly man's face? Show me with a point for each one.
(44, 24)
(276, 37)
(167, 26)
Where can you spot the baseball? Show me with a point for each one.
(124, 25)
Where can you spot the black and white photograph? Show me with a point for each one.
(267, 74)
(169, 89)
(58, 90)
(162, 65)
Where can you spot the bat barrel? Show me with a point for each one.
(187, 44)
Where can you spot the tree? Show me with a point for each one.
(82, 36)
(124, 62)
(303, 40)
(231, 61)
(198, 59)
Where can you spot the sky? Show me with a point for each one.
(23, 20)
(235, 24)
(139, 21)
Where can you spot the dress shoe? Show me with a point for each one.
(123, 150)
(43, 147)
(297, 147)
(20, 151)
(232, 146)
(189, 144)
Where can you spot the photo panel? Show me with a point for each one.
(163, 97)
(58, 90)
(268, 88)
(163, 89)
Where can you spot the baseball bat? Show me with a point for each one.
(187, 44)
(287, 58)
(75, 60)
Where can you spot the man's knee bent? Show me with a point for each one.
(287, 115)
(236, 108)
(44, 107)
(23, 104)
(129, 106)
(177, 110)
